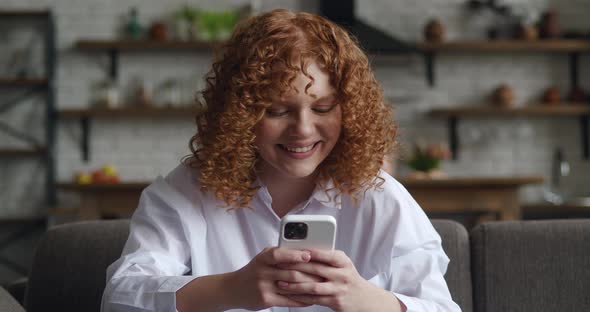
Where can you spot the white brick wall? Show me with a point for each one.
(142, 149)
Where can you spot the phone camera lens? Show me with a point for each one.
(295, 230)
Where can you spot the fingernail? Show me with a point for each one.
(283, 284)
(306, 256)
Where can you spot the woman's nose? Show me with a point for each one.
(303, 124)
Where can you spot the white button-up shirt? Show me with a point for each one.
(179, 233)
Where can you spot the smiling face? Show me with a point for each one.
(299, 129)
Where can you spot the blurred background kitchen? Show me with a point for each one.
(97, 99)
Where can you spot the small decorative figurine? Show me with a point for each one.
(134, 30)
(434, 31)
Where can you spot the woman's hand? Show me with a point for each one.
(342, 289)
(255, 285)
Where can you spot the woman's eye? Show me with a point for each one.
(324, 109)
(276, 113)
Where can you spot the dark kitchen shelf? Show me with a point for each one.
(573, 47)
(563, 109)
(144, 45)
(85, 115)
(22, 152)
(485, 111)
(24, 13)
(129, 112)
(552, 45)
(24, 82)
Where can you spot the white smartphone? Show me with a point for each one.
(308, 231)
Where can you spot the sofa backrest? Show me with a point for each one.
(69, 267)
(531, 266)
(455, 242)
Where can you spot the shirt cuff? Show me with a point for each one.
(167, 292)
(409, 302)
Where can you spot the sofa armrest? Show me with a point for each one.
(8, 303)
(17, 289)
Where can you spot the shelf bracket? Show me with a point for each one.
(574, 74)
(84, 145)
(114, 64)
(429, 63)
(585, 142)
(453, 137)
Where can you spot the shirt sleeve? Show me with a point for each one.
(418, 261)
(155, 258)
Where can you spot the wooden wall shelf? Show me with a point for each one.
(564, 109)
(115, 46)
(26, 82)
(22, 152)
(129, 112)
(554, 45)
(144, 45)
(579, 110)
(85, 115)
(24, 13)
(571, 46)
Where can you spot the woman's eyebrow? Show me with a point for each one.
(328, 96)
(288, 100)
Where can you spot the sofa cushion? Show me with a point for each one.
(531, 266)
(455, 242)
(8, 303)
(69, 266)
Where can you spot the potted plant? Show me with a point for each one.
(426, 159)
(185, 21)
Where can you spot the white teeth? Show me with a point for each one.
(298, 149)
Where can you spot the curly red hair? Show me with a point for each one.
(263, 57)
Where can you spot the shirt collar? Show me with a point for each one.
(327, 194)
(324, 193)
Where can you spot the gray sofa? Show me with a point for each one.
(500, 266)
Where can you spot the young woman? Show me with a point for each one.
(294, 123)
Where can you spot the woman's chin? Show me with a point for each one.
(298, 173)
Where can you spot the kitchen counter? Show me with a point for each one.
(491, 197)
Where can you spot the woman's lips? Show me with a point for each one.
(299, 152)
